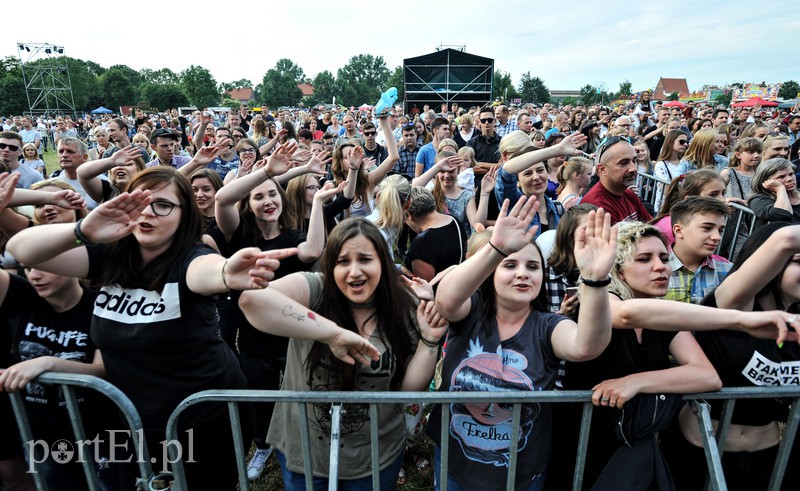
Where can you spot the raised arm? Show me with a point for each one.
(204, 156)
(570, 145)
(444, 165)
(481, 213)
(292, 318)
(89, 172)
(377, 175)
(315, 165)
(311, 249)
(200, 131)
(595, 251)
(510, 235)
(247, 269)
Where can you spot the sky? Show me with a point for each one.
(569, 45)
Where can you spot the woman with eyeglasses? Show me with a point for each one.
(248, 153)
(669, 164)
(160, 294)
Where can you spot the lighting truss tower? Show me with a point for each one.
(46, 76)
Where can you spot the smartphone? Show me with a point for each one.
(571, 292)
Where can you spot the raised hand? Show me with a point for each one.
(280, 160)
(70, 200)
(126, 155)
(329, 191)
(571, 145)
(356, 158)
(596, 246)
(319, 162)
(432, 326)
(511, 230)
(421, 288)
(489, 180)
(115, 218)
(205, 155)
(251, 268)
(8, 183)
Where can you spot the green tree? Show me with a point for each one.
(230, 103)
(724, 98)
(362, 79)
(625, 89)
(133, 75)
(533, 89)
(589, 95)
(396, 80)
(569, 101)
(324, 87)
(285, 66)
(160, 76)
(12, 87)
(238, 84)
(117, 88)
(164, 96)
(502, 87)
(673, 96)
(278, 89)
(789, 90)
(199, 86)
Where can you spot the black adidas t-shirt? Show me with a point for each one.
(161, 346)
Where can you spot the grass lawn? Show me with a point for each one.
(51, 161)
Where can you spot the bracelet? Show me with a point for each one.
(482, 194)
(223, 275)
(269, 176)
(428, 343)
(81, 239)
(595, 283)
(498, 250)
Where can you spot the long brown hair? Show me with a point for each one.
(248, 217)
(340, 174)
(125, 256)
(562, 257)
(691, 184)
(393, 308)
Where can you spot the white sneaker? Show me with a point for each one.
(256, 465)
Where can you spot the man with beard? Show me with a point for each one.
(616, 166)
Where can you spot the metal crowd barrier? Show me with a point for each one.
(713, 440)
(67, 383)
(651, 189)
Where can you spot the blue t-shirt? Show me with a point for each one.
(427, 156)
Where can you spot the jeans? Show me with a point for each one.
(293, 481)
(537, 483)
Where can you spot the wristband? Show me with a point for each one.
(223, 273)
(498, 250)
(428, 343)
(81, 239)
(595, 283)
(269, 176)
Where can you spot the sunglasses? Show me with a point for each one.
(409, 126)
(487, 120)
(683, 142)
(13, 148)
(608, 142)
(370, 133)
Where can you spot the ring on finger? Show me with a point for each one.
(792, 319)
(604, 399)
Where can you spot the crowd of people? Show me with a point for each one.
(452, 249)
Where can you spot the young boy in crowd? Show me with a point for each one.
(697, 223)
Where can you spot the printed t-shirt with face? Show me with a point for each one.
(480, 434)
(38, 330)
(355, 452)
(161, 346)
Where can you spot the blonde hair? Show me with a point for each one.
(702, 148)
(514, 142)
(295, 200)
(468, 154)
(629, 235)
(393, 194)
(56, 183)
(573, 165)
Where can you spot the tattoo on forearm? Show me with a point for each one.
(288, 311)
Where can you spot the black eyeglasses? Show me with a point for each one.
(487, 120)
(163, 208)
(13, 148)
(247, 150)
(608, 142)
(313, 187)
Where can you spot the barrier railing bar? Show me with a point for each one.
(514, 448)
(306, 437)
(238, 443)
(373, 435)
(724, 424)
(785, 448)
(80, 435)
(336, 436)
(716, 478)
(25, 432)
(444, 450)
(583, 444)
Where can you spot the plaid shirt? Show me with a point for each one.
(557, 285)
(408, 160)
(504, 129)
(691, 287)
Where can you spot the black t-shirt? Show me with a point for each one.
(159, 347)
(379, 153)
(251, 340)
(38, 330)
(487, 149)
(441, 247)
(480, 434)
